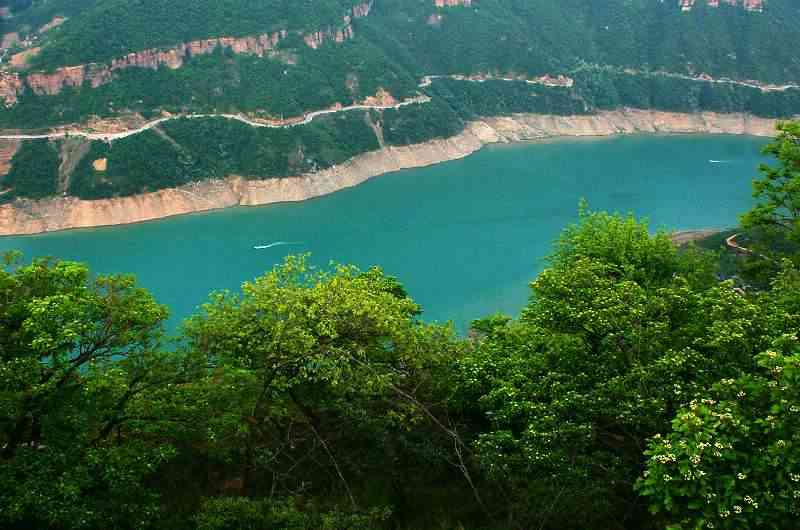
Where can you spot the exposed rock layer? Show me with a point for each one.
(11, 85)
(29, 217)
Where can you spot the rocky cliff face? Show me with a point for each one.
(30, 217)
(11, 85)
(317, 38)
(97, 75)
(748, 5)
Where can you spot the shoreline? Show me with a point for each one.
(29, 217)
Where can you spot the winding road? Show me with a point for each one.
(425, 82)
(307, 118)
(285, 124)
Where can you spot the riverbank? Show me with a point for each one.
(31, 217)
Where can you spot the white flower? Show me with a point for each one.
(737, 509)
(741, 476)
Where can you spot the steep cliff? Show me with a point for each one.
(42, 83)
(10, 87)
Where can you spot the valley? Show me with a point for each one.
(399, 264)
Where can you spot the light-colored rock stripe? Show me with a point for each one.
(31, 217)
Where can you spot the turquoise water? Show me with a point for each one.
(464, 237)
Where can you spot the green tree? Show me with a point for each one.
(325, 385)
(732, 458)
(81, 421)
(621, 330)
(777, 215)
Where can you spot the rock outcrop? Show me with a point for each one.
(10, 88)
(30, 217)
(748, 5)
(317, 38)
(173, 58)
(57, 21)
(361, 10)
(43, 83)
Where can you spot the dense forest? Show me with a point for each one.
(643, 54)
(190, 150)
(535, 36)
(396, 44)
(640, 388)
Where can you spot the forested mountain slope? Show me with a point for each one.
(115, 64)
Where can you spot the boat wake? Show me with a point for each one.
(276, 244)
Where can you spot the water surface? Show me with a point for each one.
(464, 237)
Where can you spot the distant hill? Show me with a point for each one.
(324, 51)
(112, 63)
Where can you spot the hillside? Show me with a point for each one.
(112, 65)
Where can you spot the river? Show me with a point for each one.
(464, 237)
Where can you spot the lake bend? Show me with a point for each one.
(464, 237)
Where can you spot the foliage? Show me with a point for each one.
(34, 171)
(731, 459)
(80, 414)
(620, 331)
(317, 398)
(113, 28)
(613, 50)
(777, 215)
(330, 373)
(193, 150)
(238, 513)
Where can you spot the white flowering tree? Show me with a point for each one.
(732, 459)
(622, 331)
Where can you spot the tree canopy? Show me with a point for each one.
(637, 389)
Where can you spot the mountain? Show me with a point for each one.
(106, 66)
